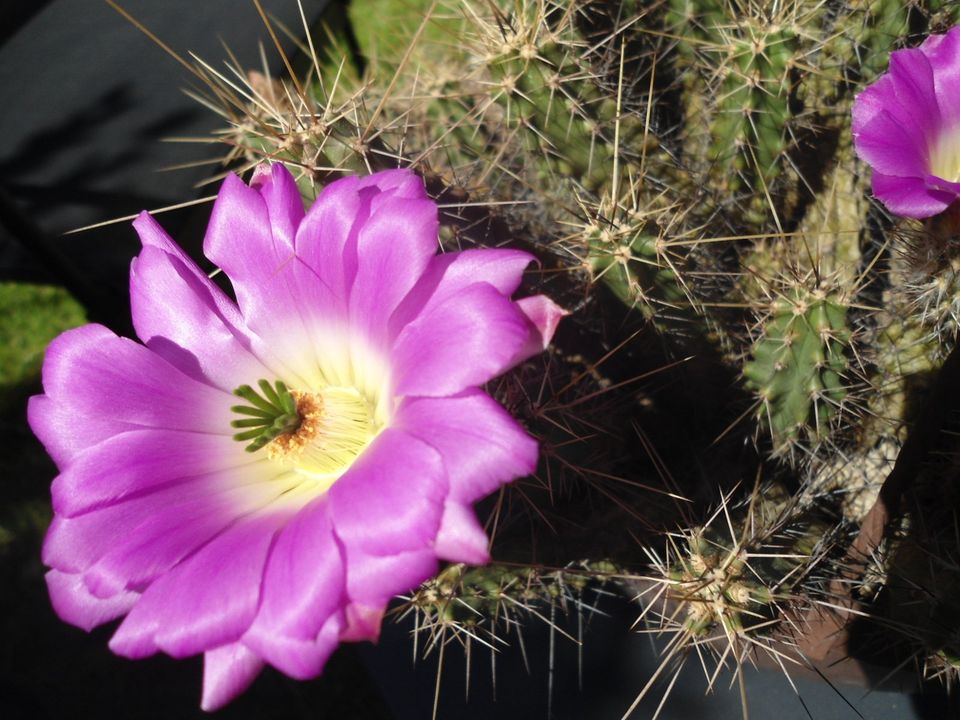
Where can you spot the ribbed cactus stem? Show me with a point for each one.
(797, 367)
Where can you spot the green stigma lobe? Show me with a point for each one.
(268, 416)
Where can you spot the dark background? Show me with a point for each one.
(85, 100)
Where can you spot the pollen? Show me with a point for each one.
(292, 444)
(336, 425)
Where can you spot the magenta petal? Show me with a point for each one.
(152, 235)
(395, 183)
(372, 580)
(300, 659)
(90, 371)
(227, 671)
(891, 148)
(482, 446)
(362, 622)
(450, 273)
(461, 537)
(544, 316)
(910, 196)
(282, 197)
(175, 313)
(325, 268)
(140, 461)
(943, 52)
(239, 225)
(207, 601)
(938, 184)
(870, 102)
(64, 432)
(260, 265)
(158, 315)
(906, 94)
(75, 605)
(326, 245)
(472, 337)
(303, 584)
(181, 520)
(73, 544)
(394, 247)
(916, 107)
(391, 498)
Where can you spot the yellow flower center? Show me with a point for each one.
(314, 436)
(336, 424)
(945, 158)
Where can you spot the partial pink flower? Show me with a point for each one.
(257, 479)
(906, 125)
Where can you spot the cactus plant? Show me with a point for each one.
(695, 160)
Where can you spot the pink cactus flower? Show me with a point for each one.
(257, 479)
(906, 125)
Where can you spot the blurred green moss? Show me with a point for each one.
(30, 317)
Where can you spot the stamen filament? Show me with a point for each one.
(270, 393)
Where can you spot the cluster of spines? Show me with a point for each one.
(723, 591)
(931, 274)
(632, 258)
(473, 596)
(487, 605)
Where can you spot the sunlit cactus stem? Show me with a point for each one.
(797, 367)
